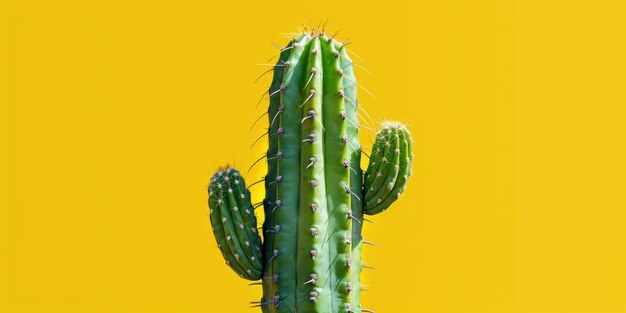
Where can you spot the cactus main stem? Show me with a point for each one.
(314, 182)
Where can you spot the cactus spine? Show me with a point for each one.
(316, 194)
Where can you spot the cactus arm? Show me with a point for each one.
(313, 278)
(404, 172)
(390, 167)
(396, 139)
(229, 228)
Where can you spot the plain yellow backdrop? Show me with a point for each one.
(113, 115)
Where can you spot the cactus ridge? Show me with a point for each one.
(314, 187)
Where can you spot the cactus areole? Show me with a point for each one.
(315, 191)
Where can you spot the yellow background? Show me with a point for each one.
(113, 115)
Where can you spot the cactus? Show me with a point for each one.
(315, 191)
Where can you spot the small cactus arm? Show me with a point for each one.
(234, 223)
(315, 191)
(389, 167)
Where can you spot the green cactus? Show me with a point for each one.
(316, 193)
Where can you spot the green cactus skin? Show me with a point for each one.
(314, 200)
